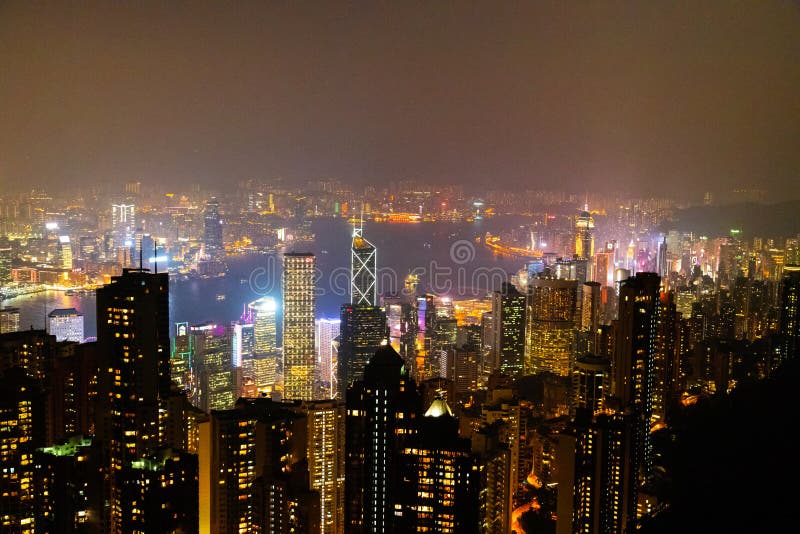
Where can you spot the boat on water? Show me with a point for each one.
(221, 297)
(69, 292)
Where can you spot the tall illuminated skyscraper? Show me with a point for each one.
(325, 450)
(551, 331)
(212, 237)
(264, 312)
(298, 326)
(327, 332)
(508, 314)
(123, 222)
(633, 371)
(363, 271)
(584, 238)
(363, 330)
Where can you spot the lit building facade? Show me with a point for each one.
(9, 320)
(363, 271)
(508, 314)
(327, 332)
(212, 235)
(551, 331)
(66, 324)
(299, 310)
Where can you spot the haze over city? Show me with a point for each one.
(655, 97)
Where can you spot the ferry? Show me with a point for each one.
(221, 297)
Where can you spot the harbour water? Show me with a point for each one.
(445, 256)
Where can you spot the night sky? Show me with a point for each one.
(654, 96)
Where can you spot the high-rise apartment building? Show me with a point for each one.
(298, 326)
(216, 378)
(134, 347)
(633, 373)
(790, 313)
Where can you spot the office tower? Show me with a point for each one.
(64, 254)
(67, 485)
(494, 469)
(381, 412)
(298, 326)
(22, 431)
(508, 313)
(363, 271)
(263, 317)
(790, 313)
(464, 371)
(363, 331)
(66, 324)
(604, 268)
(123, 222)
(590, 315)
(327, 332)
(254, 470)
(133, 342)
(216, 379)
(9, 320)
(597, 488)
(634, 353)
(325, 452)
(584, 230)
(438, 490)
(212, 235)
(180, 360)
(551, 325)
(393, 308)
(591, 378)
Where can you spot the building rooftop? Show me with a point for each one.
(65, 312)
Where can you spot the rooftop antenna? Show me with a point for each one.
(155, 256)
(140, 256)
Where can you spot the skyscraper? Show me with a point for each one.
(380, 414)
(508, 314)
(133, 338)
(22, 430)
(212, 236)
(439, 485)
(327, 332)
(325, 450)
(633, 372)
(597, 479)
(584, 230)
(363, 271)
(298, 326)
(552, 306)
(790, 313)
(216, 379)
(123, 222)
(362, 331)
(66, 324)
(264, 311)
